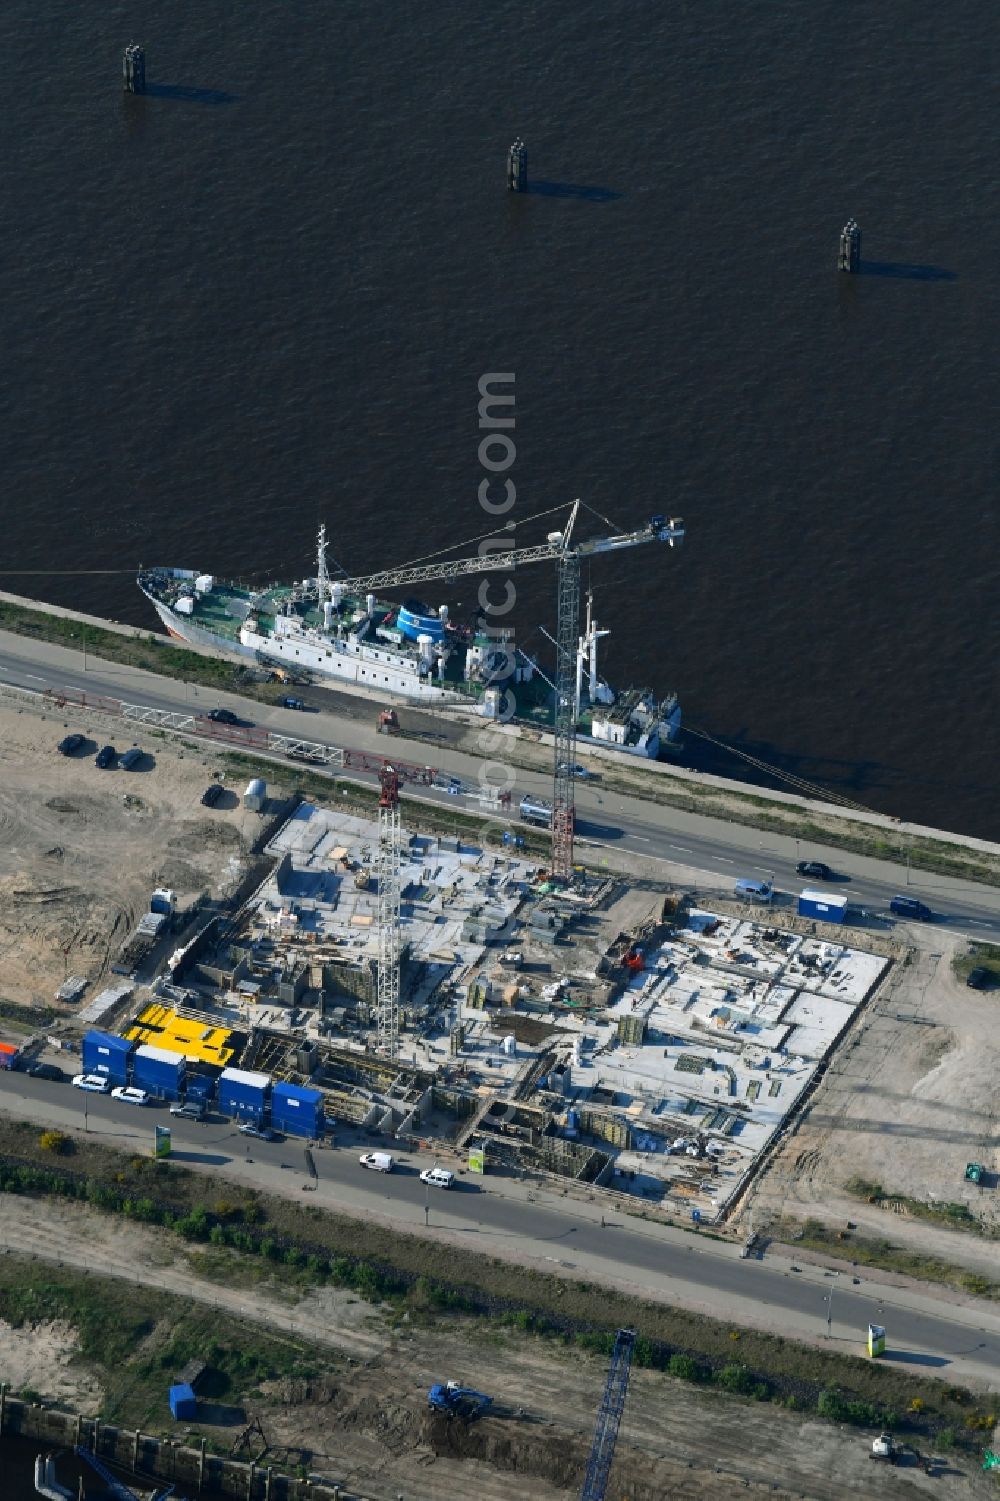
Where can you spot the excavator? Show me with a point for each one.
(458, 1401)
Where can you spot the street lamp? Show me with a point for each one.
(828, 1300)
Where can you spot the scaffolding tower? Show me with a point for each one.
(387, 869)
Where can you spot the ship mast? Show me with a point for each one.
(322, 576)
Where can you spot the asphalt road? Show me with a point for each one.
(711, 851)
(498, 1214)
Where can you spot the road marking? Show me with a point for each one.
(765, 868)
(642, 838)
(682, 847)
(33, 679)
(976, 922)
(723, 860)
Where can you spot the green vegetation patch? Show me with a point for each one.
(980, 956)
(952, 1216)
(870, 1250)
(137, 1344)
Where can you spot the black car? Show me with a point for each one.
(71, 744)
(979, 978)
(46, 1071)
(106, 756)
(814, 868)
(223, 716)
(211, 795)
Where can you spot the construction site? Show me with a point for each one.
(431, 990)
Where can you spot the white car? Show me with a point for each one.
(437, 1177)
(94, 1083)
(130, 1095)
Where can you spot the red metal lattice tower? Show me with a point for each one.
(387, 1006)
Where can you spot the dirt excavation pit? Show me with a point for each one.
(81, 849)
(910, 1099)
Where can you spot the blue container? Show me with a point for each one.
(200, 1086)
(183, 1402)
(104, 1053)
(242, 1094)
(159, 1072)
(297, 1111)
(820, 904)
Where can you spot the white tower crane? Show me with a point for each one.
(568, 555)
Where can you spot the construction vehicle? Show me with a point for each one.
(609, 1416)
(456, 1400)
(885, 1449)
(388, 722)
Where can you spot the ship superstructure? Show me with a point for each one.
(319, 628)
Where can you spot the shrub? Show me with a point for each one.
(945, 1440)
(735, 1378)
(54, 1141)
(685, 1367)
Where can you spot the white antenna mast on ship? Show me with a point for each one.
(322, 577)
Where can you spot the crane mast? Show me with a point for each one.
(387, 1006)
(567, 554)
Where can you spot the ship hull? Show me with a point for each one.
(342, 668)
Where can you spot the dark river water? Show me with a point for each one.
(263, 296)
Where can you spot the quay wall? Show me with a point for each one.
(166, 1459)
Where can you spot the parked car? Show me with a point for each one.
(580, 773)
(211, 795)
(908, 906)
(250, 1128)
(292, 703)
(106, 756)
(979, 978)
(131, 758)
(71, 744)
(814, 868)
(223, 716)
(379, 1162)
(46, 1071)
(437, 1177)
(191, 1110)
(129, 1095)
(92, 1083)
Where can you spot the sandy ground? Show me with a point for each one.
(42, 1357)
(907, 1103)
(81, 849)
(369, 1429)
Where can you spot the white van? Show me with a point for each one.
(380, 1162)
